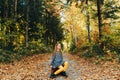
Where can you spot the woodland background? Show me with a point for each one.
(88, 28)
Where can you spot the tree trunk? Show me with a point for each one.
(74, 35)
(88, 26)
(27, 24)
(6, 9)
(101, 44)
(88, 23)
(74, 38)
(15, 9)
(99, 18)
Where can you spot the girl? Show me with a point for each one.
(57, 63)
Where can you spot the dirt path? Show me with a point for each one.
(37, 68)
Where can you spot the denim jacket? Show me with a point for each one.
(57, 59)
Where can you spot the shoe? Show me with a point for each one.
(64, 74)
(52, 76)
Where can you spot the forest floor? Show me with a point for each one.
(37, 67)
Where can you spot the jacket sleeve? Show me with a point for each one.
(53, 57)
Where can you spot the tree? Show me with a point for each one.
(86, 8)
(27, 25)
(110, 12)
(32, 19)
(99, 18)
(16, 2)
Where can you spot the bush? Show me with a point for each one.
(6, 56)
(19, 51)
(108, 48)
(34, 47)
(72, 47)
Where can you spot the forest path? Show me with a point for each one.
(37, 68)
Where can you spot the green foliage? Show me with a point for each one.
(110, 9)
(33, 26)
(73, 48)
(107, 48)
(34, 23)
(107, 45)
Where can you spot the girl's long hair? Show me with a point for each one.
(55, 48)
